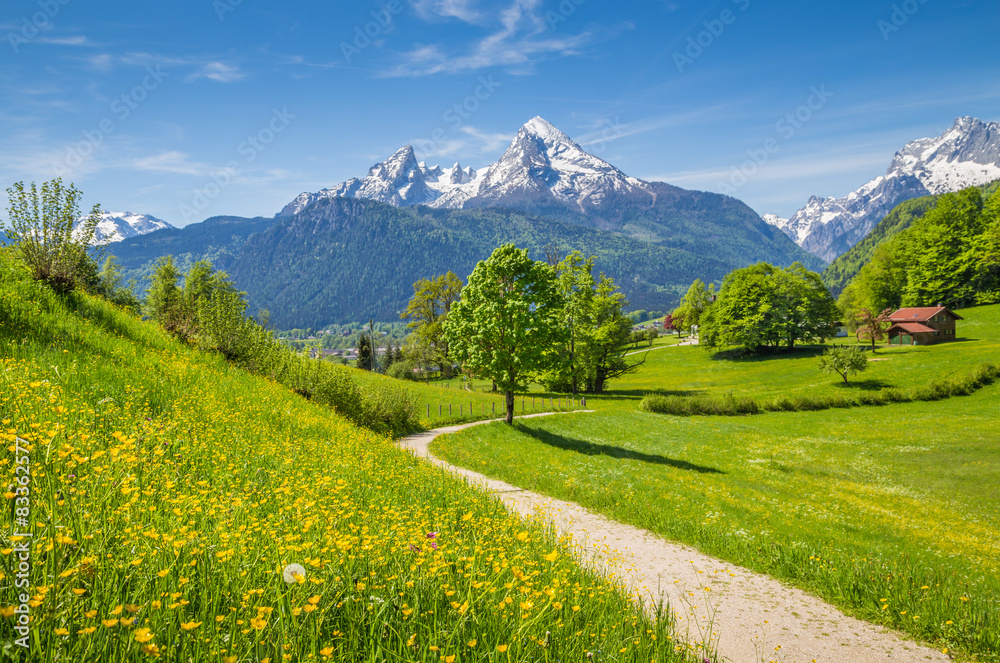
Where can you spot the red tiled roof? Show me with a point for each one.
(912, 327)
(920, 314)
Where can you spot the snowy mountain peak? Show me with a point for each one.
(775, 220)
(967, 154)
(541, 166)
(117, 226)
(542, 128)
(399, 165)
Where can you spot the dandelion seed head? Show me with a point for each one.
(291, 571)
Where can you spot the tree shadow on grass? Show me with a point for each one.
(593, 449)
(768, 354)
(638, 394)
(864, 385)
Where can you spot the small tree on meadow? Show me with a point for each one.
(668, 324)
(651, 335)
(844, 360)
(680, 322)
(873, 326)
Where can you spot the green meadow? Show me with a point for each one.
(890, 512)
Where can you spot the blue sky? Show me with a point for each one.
(189, 109)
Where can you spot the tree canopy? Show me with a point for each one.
(949, 256)
(764, 306)
(694, 303)
(844, 360)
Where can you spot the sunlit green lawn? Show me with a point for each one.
(900, 502)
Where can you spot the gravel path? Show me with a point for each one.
(747, 617)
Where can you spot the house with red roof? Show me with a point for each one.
(922, 326)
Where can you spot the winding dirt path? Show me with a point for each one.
(745, 616)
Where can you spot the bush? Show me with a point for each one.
(402, 370)
(42, 229)
(730, 405)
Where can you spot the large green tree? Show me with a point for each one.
(165, 299)
(508, 322)
(428, 309)
(767, 306)
(177, 308)
(880, 283)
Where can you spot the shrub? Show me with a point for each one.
(402, 370)
(42, 230)
(729, 404)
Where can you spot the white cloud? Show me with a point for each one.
(611, 128)
(487, 142)
(468, 140)
(101, 62)
(520, 38)
(169, 162)
(218, 71)
(463, 10)
(75, 40)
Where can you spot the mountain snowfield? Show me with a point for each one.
(967, 154)
(542, 165)
(117, 226)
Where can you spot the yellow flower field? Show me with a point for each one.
(169, 495)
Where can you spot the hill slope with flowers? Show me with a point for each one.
(169, 493)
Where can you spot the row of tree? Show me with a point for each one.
(758, 307)
(950, 256)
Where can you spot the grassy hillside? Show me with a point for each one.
(168, 492)
(892, 513)
(840, 272)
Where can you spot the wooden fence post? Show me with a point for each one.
(428, 410)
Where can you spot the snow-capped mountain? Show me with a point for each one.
(116, 226)
(967, 154)
(542, 166)
(776, 221)
(399, 180)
